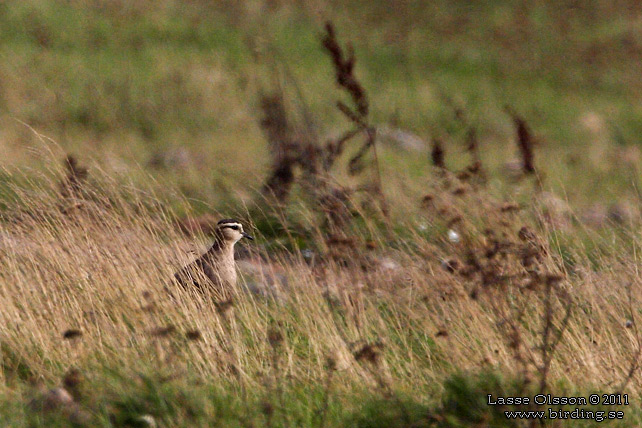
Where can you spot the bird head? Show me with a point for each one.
(231, 230)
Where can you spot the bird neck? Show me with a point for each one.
(222, 247)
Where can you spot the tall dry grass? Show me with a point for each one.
(85, 279)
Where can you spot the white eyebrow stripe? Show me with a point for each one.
(231, 225)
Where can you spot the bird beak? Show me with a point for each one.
(245, 235)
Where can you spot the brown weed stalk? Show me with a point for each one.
(525, 141)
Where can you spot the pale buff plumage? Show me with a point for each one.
(215, 271)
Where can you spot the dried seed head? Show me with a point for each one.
(71, 334)
(463, 175)
(509, 207)
(369, 353)
(340, 241)
(553, 279)
(331, 364)
(455, 220)
(150, 307)
(532, 284)
(344, 66)
(525, 141)
(427, 200)
(193, 335)
(76, 175)
(267, 408)
(459, 191)
(224, 306)
(72, 379)
(526, 234)
(515, 340)
(475, 167)
(275, 338)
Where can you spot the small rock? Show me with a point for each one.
(56, 398)
(307, 254)
(178, 158)
(628, 155)
(556, 210)
(593, 122)
(59, 400)
(513, 169)
(387, 263)
(147, 420)
(622, 213)
(401, 138)
(263, 279)
(595, 216)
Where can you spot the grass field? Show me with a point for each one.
(397, 279)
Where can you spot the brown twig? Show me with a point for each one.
(525, 141)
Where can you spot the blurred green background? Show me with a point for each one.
(169, 90)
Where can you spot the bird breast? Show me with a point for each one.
(222, 268)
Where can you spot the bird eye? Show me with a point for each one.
(235, 227)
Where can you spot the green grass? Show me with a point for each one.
(134, 79)
(130, 400)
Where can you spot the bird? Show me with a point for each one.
(216, 266)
